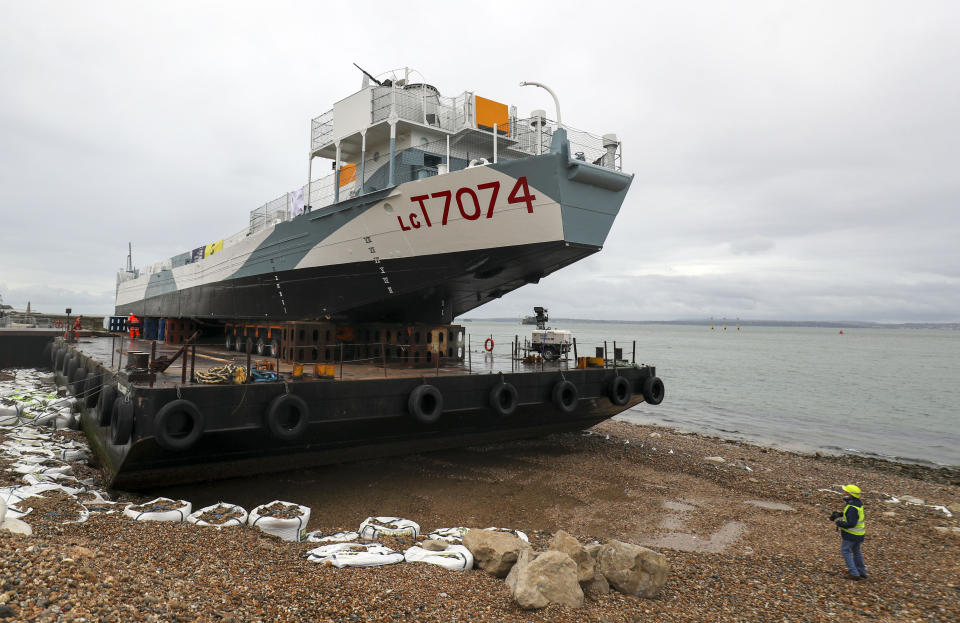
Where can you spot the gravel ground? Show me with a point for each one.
(731, 560)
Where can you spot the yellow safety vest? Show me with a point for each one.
(861, 528)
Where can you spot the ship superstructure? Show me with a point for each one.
(436, 205)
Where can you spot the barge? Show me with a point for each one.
(159, 430)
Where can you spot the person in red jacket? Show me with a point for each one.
(133, 323)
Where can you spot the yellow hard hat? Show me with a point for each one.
(853, 490)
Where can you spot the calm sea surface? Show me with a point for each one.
(891, 393)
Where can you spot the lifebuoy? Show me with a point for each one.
(178, 425)
(58, 324)
(620, 391)
(287, 417)
(653, 390)
(105, 404)
(488, 344)
(121, 422)
(425, 404)
(565, 396)
(503, 399)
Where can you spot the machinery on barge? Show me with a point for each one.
(436, 205)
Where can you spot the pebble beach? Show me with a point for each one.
(744, 528)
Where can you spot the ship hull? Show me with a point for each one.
(424, 251)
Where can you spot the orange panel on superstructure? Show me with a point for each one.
(490, 112)
(348, 173)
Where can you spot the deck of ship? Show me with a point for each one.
(112, 353)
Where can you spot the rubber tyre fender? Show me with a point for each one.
(108, 395)
(564, 396)
(72, 369)
(91, 389)
(67, 362)
(121, 422)
(620, 391)
(653, 390)
(278, 420)
(58, 360)
(230, 342)
(425, 404)
(168, 415)
(48, 351)
(78, 381)
(503, 399)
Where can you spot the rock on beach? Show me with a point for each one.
(494, 552)
(538, 580)
(632, 569)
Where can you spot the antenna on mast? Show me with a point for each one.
(129, 257)
(368, 75)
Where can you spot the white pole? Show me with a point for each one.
(306, 201)
(556, 101)
(336, 177)
(494, 143)
(448, 153)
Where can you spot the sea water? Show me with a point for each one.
(889, 393)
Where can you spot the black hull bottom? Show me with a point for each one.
(429, 289)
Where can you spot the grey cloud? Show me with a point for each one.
(792, 160)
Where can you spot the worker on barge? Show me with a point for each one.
(133, 324)
(853, 528)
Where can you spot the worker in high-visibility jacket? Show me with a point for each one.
(853, 528)
(133, 323)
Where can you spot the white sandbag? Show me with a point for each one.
(48, 466)
(317, 536)
(283, 519)
(65, 480)
(160, 509)
(11, 504)
(219, 515)
(520, 535)
(455, 557)
(373, 528)
(450, 535)
(342, 555)
(66, 483)
(96, 502)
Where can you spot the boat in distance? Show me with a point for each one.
(436, 205)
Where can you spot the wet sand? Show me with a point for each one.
(747, 538)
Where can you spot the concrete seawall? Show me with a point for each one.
(24, 347)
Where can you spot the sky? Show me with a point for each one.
(793, 160)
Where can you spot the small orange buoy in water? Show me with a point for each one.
(841, 331)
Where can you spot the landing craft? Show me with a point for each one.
(436, 206)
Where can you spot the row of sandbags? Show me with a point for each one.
(42, 460)
(28, 395)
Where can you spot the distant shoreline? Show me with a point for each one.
(824, 324)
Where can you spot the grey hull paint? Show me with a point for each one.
(434, 288)
(590, 198)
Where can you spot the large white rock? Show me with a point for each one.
(633, 570)
(538, 580)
